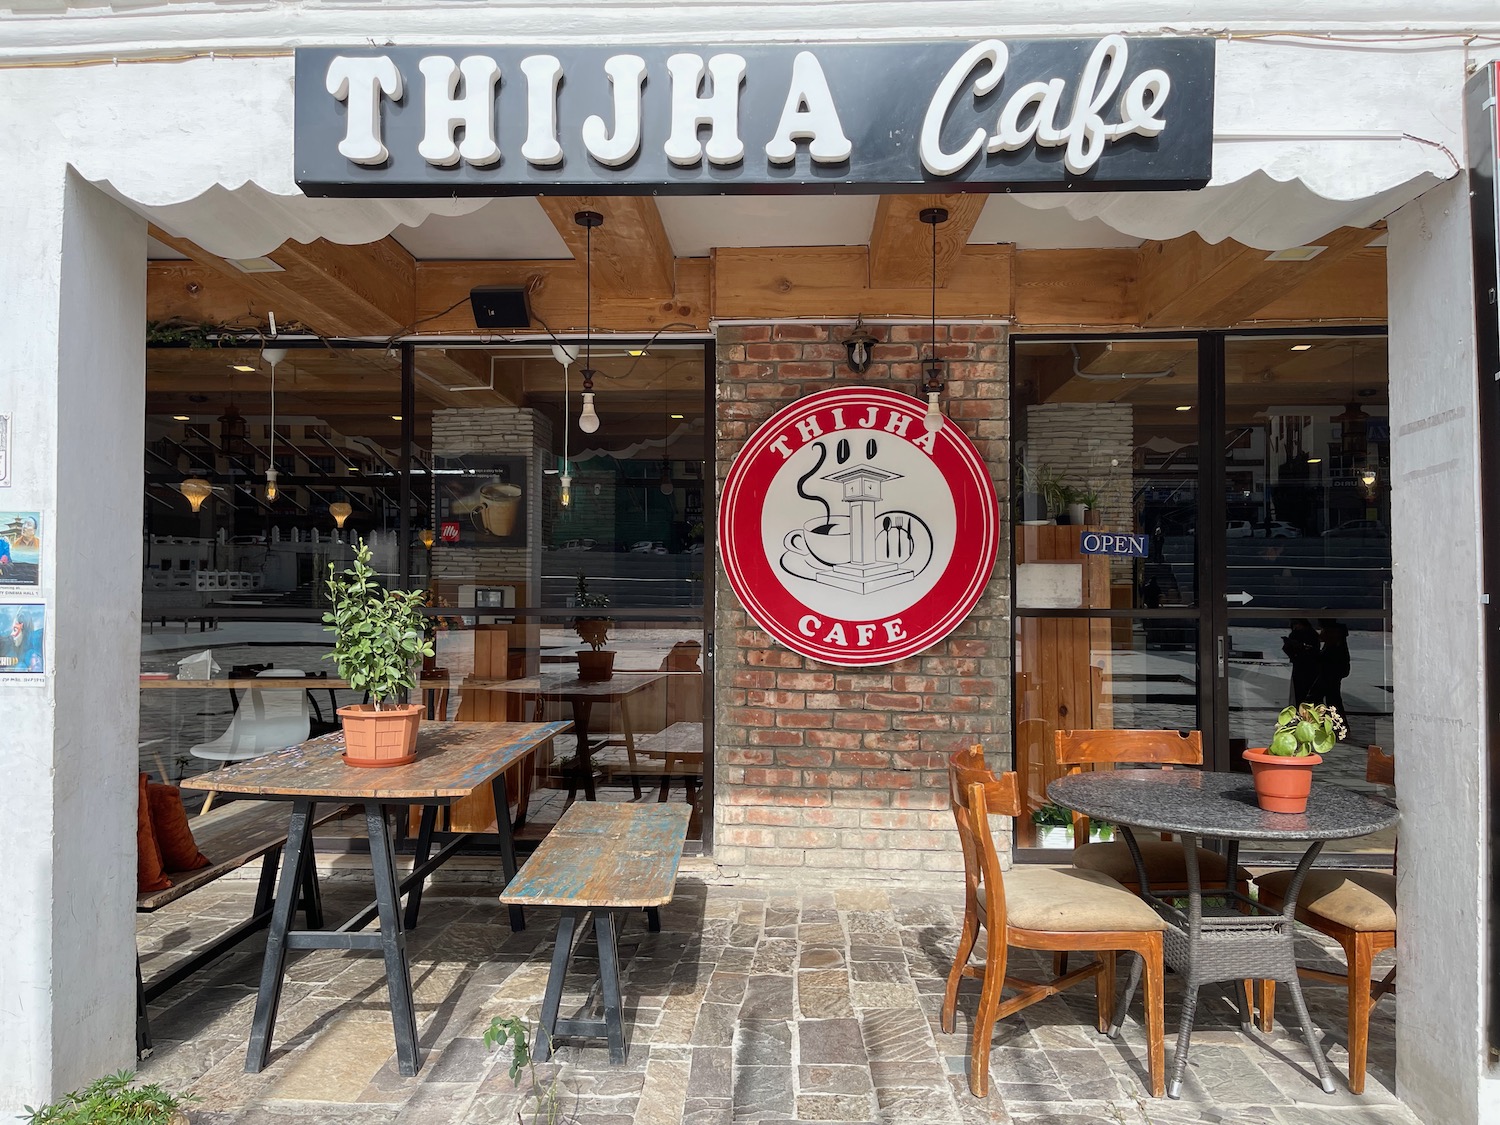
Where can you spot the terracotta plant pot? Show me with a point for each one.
(388, 737)
(1281, 784)
(596, 665)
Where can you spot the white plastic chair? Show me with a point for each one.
(267, 719)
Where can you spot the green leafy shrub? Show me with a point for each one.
(112, 1100)
(379, 635)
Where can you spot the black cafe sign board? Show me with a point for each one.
(1115, 113)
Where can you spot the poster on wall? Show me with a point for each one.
(20, 550)
(21, 644)
(484, 498)
(854, 534)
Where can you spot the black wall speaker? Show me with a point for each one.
(500, 306)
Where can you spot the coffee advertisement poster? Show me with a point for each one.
(486, 497)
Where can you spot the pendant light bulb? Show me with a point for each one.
(566, 497)
(666, 478)
(588, 417)
(933, 419)
(271, 484)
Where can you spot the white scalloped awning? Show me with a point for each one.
(1309, 136)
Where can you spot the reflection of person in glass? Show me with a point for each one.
(1333, 665)
(1301, 648)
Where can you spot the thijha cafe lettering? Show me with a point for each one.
(1082, 114)
(852, 533)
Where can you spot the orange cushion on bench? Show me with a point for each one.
(169, 823)
(149, 875)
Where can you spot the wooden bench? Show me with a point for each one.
(231, 836)
(601, 859)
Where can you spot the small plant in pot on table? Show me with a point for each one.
(1283, 770)
(379, 640)
(595, 662)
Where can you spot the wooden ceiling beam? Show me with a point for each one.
(833, 281)
(556, 296)
(631, 252)
(901, 245)
(333, 290)
(1189, 283)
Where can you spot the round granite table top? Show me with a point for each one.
(1220, 805)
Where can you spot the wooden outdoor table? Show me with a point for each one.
(453, 759)
(581, 695)
(601, 859)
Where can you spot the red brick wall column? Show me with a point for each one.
(830, 768)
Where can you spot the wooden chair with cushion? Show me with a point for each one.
(1040, 908)
(1164, 860)
(1357, 908)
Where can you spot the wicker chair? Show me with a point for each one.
(1166, 865)
(1357, 908)
(1045, 909)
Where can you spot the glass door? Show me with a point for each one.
(1108, 562)
(1306, 559)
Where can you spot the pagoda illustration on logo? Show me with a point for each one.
(862, 549)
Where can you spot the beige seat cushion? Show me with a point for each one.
(1359, 900)
(1071, 901)
(1166, 865)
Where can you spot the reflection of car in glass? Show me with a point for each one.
(1280, 529)
(1357, 529)
(1238, 528)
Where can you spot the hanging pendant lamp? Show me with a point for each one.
(340, 511)
(197, 490)
(932, 382)
(273, 356)
(588, 418)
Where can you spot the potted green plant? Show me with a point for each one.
(379, 640)
(595, 662)
(1283, 769)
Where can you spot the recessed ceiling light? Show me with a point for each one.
(677, 416)
(1315, 460)
(1184, 408)
(635, 351)
(1301, 347)
(395, 417)
(1296, 254)
(241, 367)
(180, 418)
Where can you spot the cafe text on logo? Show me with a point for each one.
(853, 534)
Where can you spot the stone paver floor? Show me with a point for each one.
(758, 1002)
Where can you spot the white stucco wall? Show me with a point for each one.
(72, 314)
(1441, 1070)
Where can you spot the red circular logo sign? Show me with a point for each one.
(852, 533)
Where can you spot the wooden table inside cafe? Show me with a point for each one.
(453, 760)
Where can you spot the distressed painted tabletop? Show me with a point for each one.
(453, 759)
(605, 855)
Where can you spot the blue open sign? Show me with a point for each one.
(1114, 543)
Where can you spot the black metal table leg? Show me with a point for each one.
(1294, 985)
(609, 982)
(142, 1023)
(585, 753)
(507, 847)
(392, 939)
(424, 850)
(567, 923)
(299, 836)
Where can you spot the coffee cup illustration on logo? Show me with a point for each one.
(497, 508)
(824, 540)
